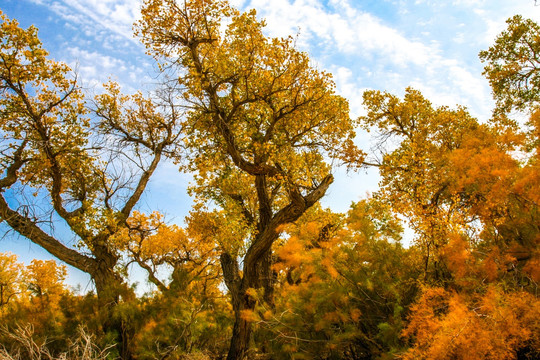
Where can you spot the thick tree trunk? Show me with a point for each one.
(109, 284)
(267, 278)
(241, 335)
(110, 289)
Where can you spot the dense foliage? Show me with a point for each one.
(260, 269)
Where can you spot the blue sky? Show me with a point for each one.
(431, 45)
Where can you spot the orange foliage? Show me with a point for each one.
(494, 325)
(457, 256)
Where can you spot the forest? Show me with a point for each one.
(260, 269)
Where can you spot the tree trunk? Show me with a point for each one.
(111, 290)
(263, 278)
(267, 278)
(241, 302)
(241, 335)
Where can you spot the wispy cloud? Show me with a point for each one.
(340, 28)
(97, 40)
(117, 16)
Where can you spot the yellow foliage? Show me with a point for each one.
(267, 315)
(11, 279)
(327, 263)
(292, 253)
(532, 268)
(251, 292)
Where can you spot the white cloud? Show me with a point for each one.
(94, 16)
(347, 86)
(95, 68)
(394, 60)
(342, 28)
(114, 15)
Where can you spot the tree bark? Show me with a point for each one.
(29, 229)
(242, 330)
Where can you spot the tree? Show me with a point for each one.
(61, 167)
(415, 140)
(262, 123)
(11, 279)
(46, 280)
(513, 65)
(474, 206)
(154, 246)
(452, 178)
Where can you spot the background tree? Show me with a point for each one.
(415, 140)
(45, 280)
(190, 314)
(160, 248)
(474, 206)
(11, 277)
(46, 320)
(512, 66)
(262, 122)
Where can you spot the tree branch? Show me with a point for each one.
(28, 228)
